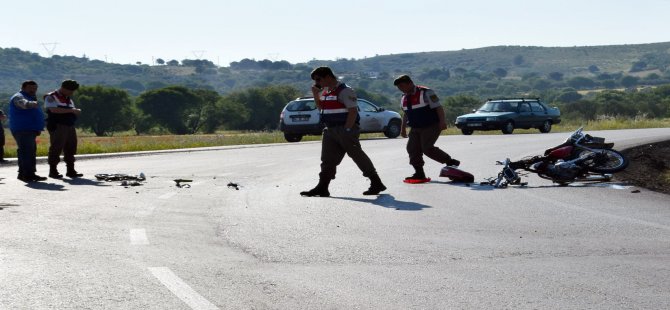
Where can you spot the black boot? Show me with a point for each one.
(418, 174)
(71, 173)
(320, 190)
(453, 162)
(53, 172)
(376, 185)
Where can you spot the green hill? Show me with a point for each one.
(489, 71)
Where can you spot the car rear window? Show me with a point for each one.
(301, 105)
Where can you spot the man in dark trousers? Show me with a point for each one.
(26, 122)
(425, 115)
(62, 114)
(339, 112)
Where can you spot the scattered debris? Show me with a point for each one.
(126, 180)
(636, 191)
(234, 185)
(179, 181)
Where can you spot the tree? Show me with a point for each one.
(209, 117)
(593, 69)
(263, 106)
(104, 109)
(170, 107)
(518, 60)
(581, 82)
(556, 76)
(629, 81)
(173, 63)
(638, 66)
(160, 61)
(500, 72)
(132, 85)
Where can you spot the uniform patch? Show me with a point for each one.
(434, 98)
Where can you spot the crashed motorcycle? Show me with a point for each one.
(582, 158)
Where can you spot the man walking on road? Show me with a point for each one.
(424, 113)
(26, 122)
(339, 112)
(62, 115)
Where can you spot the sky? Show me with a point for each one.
(125, 31)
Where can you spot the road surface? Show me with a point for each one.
(84, 244)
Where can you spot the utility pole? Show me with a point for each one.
(50, 47)
(198, 54)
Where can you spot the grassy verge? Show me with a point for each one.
(126, 142)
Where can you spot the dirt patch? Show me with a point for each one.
(649, 166)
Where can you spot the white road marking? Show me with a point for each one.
(266, 165)
(182, 290)
(138, 237)
(167, 195)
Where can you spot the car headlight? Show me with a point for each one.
(460, 120)
(491, 119)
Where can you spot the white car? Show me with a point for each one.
(301, 117)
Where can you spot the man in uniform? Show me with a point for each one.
(26, 122)
(424, 113)
(339, 112)
(62, 115)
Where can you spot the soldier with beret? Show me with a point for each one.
(61, 117)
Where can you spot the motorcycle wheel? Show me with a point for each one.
(609, 161)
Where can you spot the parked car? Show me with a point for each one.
(300, 117)
(508, 114)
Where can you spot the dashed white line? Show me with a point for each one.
(138, 236)
(167, 195)
(182, 290)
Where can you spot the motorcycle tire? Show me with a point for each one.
(612, 162)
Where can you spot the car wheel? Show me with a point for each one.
(393, 129)
(467, 131)
(291, 137)
(508, 128)
(546, 127)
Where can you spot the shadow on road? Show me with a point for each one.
(82, 181)
(472, 186)
(46, 186)
(388, 201)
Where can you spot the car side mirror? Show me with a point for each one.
(381, 109)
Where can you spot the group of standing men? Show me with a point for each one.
(422, 112)
(26, 122)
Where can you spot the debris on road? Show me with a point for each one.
(126, 179)
(234, 185)
(179, 181)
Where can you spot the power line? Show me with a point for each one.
(50, 47)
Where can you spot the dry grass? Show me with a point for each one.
(126, 142)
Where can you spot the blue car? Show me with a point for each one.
(508, 114)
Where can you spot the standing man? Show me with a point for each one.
(424, 113)
(62, 115)
(2, 138)
(339, 112)
(26, 122)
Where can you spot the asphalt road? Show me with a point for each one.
(84, 244)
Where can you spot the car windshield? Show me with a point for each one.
(301, 105)
(493, 106)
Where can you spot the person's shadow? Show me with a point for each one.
(388, 201)
(82, 181)
(46, 186)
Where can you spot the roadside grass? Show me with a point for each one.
(128, 142)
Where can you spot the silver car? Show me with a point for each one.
(300, 117)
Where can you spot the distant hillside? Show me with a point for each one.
(490, 71)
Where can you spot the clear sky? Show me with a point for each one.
(125, 31)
